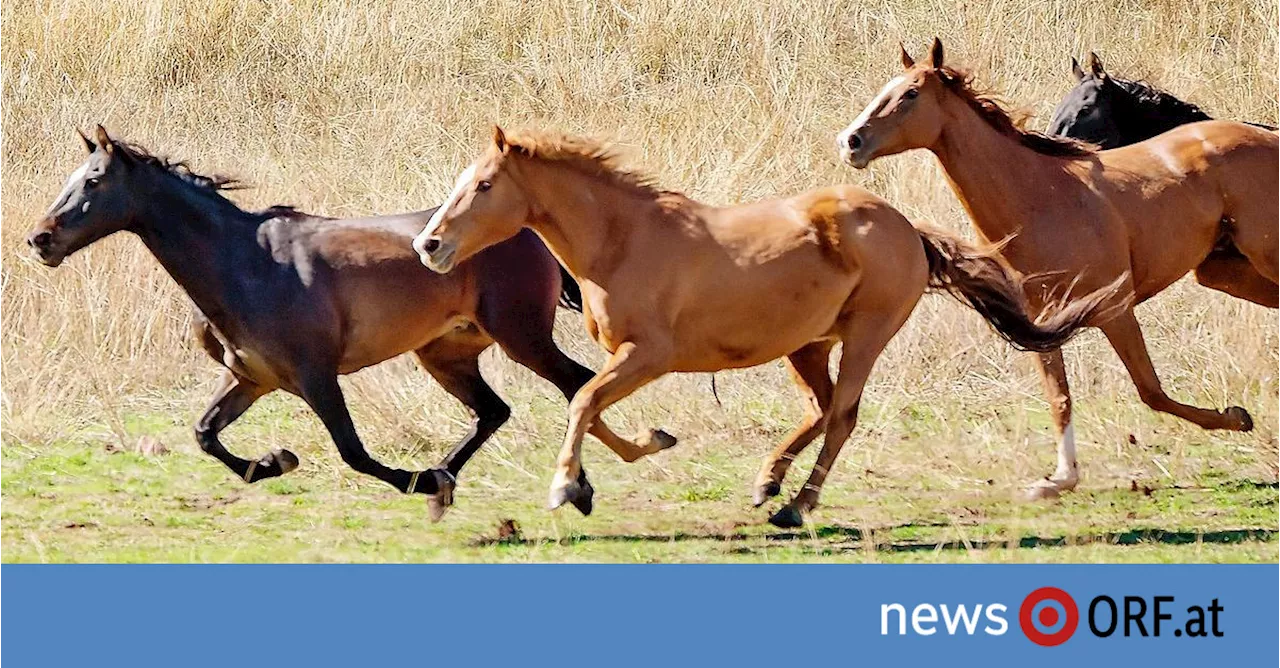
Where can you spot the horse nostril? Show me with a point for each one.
(855, 142)
(432, 245)
(40, 240)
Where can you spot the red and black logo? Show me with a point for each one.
(1048, 616)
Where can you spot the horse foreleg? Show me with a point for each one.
(234, 396)
(533, 348)
(1053, 373)
(809, 372)
(1125, 335)
(454, 362)
(627, 370)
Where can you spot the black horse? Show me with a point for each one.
(1112, 112)
(291, 301)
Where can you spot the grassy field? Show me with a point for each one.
(347, 110)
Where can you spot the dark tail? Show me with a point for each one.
(570, 293)
(977, 278)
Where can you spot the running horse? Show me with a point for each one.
(1112, 112)
(290, 301)
(670, 284)
(1201, 198)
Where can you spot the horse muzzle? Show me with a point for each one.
(436, 254)
(45, 248)
(852, 149)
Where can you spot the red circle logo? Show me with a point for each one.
(1048, 616)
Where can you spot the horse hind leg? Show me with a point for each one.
(320, 389)
(454, 362)
(1246, 261)
(1053, 373)
(864, 340)
(1227, 270)
(809, 372)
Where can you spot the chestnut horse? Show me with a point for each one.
(670, 284)
(1201, 197)
(291, 301)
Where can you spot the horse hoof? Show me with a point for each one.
(438, 504)
(661, 440)
(764, 492)
(787, 518)
(1045, 490)
(1242, 417)
(285, 459)
(436, 507)
(578, 493)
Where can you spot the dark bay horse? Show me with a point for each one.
(290, 301)
(1200, 198)
(673, 285)
(1112, 112)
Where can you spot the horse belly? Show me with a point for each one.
(396, 310)
(746, 332)
(374, 343)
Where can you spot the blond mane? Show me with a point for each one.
(584, 155)
(992, 110)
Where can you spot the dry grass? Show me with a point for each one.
(346, 109)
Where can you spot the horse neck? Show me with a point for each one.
(201, 239)
(576, 216)
(996, 178)
(1146, 119)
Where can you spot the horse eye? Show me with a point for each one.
(911, 93)
(91, 183)
(483, 186)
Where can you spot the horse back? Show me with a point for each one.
(854, 227)
(365, 273)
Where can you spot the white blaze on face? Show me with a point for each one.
(72, 181)
(420, 242)
(842, 139)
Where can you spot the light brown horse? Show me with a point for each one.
(670, 284)
(1201, 197)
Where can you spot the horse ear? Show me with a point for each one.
(104, 140)
(907, 61)
(935, 55)
(1095, 66)
(500, 138)
(1075, 69)
(88, 143)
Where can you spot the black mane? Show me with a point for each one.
(1159, 103)
(210, 183)
(179, 168)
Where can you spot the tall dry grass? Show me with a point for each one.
(356, 108)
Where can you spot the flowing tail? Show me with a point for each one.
(570, 293)
(976, 277)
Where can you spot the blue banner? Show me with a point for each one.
(757, 615)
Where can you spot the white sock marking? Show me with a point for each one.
(1067, 453)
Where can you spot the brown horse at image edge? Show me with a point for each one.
(1199, 198)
